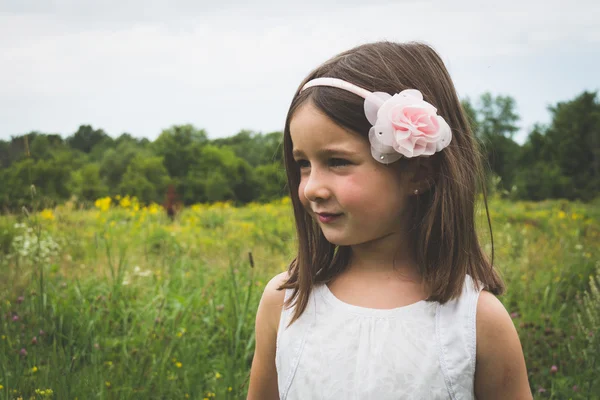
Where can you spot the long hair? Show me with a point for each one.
(442, 220)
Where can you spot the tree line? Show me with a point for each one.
(558, 160)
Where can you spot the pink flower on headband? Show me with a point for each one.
(404, 125)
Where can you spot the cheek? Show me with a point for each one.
(374, 195)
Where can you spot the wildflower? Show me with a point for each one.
(553, 369)
(42, 333)
(541, 390)
(34, 340)
(229, 389)
(23, 352)
(514, 315)
(34, 369)
(125, 202)
(107, 383)
(20, 299)
(1, 387)
(108, 363)
(15, 318)
(187, 396)
(178, 364)
(218, 375)
(103, 204)
(47, 214)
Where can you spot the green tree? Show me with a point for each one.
(179, 146)
(494, 124)
(573, 142)
(86, 183)
(271, 182)
(146, 178)
(256, 148)
(86, 138)
(115, 161)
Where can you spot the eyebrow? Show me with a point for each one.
(325, 152)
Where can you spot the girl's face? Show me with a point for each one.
(338, 175)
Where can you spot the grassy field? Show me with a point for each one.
(119, 302)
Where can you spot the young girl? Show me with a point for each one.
(390, 295)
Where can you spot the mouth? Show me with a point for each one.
(328, 217)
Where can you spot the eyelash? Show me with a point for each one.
(334, 162)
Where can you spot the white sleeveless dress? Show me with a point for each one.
(339, 351)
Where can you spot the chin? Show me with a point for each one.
(340, 240)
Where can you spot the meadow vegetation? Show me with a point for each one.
(120, 302)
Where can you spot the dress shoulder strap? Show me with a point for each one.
(456, 341)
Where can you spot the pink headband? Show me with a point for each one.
(403, 124)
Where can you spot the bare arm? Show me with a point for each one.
(263, 375)
(500, 367)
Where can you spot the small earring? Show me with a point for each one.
(416, 191)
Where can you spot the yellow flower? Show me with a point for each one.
(178, 364)
(108, 363)
(107, 383)
(103, 204)
(1, 387)
(47, 214)
(229, 389)
(562, 215)
(34, 369)
(218, 375)
(187, 396)
(3, 337)
(125, 202)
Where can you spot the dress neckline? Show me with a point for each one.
(416, 307)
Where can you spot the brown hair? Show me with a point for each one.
(443, 218)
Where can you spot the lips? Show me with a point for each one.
(327, 217)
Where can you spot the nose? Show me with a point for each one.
(316, 187)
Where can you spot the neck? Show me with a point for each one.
(389, 255)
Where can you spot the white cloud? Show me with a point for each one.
(142, 66)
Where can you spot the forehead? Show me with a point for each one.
(311, 130)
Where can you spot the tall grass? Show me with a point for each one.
(121, 303)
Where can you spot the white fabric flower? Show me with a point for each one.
(404, 125)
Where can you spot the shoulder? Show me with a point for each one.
(271, 303)
(500, 370)
(271, 293)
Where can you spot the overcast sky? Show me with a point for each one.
(141, 66)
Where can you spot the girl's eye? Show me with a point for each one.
(303, 163)
(338, 162)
